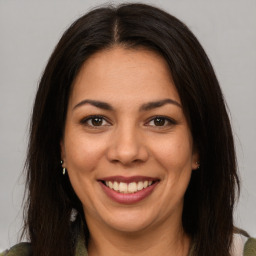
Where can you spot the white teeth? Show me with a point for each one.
(128, 187)
(140, 185)
(123, 187)
(132, 187)
(145, 184)
(116, 186)
(110, 184)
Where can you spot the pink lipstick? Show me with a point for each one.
(128, 190)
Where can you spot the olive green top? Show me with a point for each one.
(250, 247)
(24, 249)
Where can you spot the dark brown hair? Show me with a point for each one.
(209, 199)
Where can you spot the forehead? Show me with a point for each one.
(129, 74)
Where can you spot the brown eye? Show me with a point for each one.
(97, 121)
(159, 121)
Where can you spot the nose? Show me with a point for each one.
(127, 146)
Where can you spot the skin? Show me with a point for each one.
(129, 142)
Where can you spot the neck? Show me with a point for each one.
(154, 242)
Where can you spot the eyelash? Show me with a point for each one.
(167, 121)
(86, 120)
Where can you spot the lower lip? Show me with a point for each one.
(125, 198)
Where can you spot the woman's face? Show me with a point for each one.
(127, 145)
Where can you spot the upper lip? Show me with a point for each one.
(128, 179)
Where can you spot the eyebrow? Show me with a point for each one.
(144, 107)
(96, 103)
(159, 103)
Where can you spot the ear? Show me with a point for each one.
(63, 153)
(195, 160)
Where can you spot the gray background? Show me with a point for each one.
(29, 30)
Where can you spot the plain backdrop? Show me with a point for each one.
(29, 30)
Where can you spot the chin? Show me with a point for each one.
(128, 227)
(130, 222)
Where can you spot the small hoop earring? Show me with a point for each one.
(198, 165)
(63, 168)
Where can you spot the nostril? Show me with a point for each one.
(128, 150)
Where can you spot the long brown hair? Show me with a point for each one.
(209, 199)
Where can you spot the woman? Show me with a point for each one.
(131, 150)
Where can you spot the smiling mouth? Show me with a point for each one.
(128, 188)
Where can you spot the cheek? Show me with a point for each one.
(83, 156)
(174, 152)
(83, 153)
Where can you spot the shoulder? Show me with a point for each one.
(243, 246)
(21, 249)
(250, 247)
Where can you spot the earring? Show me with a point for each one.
(73, 214)
(63, 168)
(198, 164)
